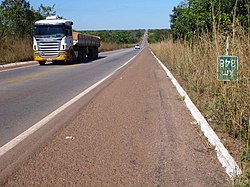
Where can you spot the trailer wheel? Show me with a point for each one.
(42, 63)
(84, 54)
(90, 53)
(96, 52)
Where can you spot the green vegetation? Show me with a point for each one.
(194, 17)
(17, 18)
(159, 35)
(243, 180)
(118, 36)
(117, 39)
(199, 32)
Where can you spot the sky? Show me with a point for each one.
(113, 14)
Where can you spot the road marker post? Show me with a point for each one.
(227, 66)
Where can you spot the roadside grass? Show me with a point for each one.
(20, 49)
(225, 105)
(113, 46)
(243, 180)
(15, 49)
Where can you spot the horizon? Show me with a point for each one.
(113, 14)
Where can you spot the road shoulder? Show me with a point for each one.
(137, 131)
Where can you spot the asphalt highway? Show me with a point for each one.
(136, 131)
(133, 129)
(30, 93)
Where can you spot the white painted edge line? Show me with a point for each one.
(227, 161)
(11, 144)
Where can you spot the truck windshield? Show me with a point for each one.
(50, 30)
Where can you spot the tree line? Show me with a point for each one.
(193, 17)
(17, 17)
(118, 36)
(158, 35)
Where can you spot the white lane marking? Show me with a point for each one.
(226, 160)
(11, 144)
(33, 63)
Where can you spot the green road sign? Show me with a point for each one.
(227, 68)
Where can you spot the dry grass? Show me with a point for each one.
(227, 105)
(15, 50)
(112, 46)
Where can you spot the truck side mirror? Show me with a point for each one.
(68, 32)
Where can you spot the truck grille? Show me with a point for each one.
(49, 49)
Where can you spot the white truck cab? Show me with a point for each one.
(54, 40)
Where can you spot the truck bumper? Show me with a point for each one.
(64, 55)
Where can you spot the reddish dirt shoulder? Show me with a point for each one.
(135, 132)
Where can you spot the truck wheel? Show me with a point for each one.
(72, 58)
(42, 63)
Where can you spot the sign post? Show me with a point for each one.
(227, 68)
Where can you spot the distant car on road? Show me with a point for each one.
(137, 46)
